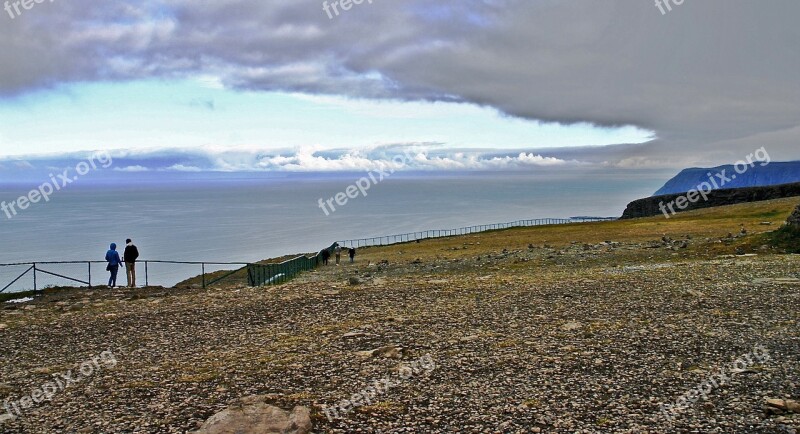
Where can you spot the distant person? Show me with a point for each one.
(130, 256)
(338, 251)
(326, 254)
(352, 253)
(112, 256)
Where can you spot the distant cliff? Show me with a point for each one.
(774, 173)
(651, 206)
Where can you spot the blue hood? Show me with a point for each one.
(113, 246)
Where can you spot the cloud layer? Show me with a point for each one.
(413, 157)
(715, 79)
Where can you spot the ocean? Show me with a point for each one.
(249, 217)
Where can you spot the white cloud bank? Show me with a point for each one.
(417, 157)
(131, 169)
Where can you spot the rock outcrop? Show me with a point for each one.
(794, 219)
(253, 416)
(650, 206)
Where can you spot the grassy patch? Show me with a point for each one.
(302, 396)
(508, 343)
(772, 214)
(201, 377)
(711, 223)
(786, 238)
(603, 421)
(532, 403)
(141, 384)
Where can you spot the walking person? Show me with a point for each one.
(338, 251)
(130, 256)
(352, 253)
(112, 257)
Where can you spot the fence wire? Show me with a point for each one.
(442, 233)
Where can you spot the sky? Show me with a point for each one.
(272, 85)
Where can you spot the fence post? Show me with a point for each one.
(34, 277)
(203, 267)
(90, 274)
(146, 282)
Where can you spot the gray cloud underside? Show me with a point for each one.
(715, 79)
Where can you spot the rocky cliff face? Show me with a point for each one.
(651, 206)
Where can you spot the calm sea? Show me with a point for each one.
(241, 218)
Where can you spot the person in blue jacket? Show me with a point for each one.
(112, 256)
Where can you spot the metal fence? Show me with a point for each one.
(441, 233)
(86, 273)
(274, 274)
(39, 274)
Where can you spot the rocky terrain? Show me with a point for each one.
(582, 329)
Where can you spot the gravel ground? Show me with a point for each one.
(572, 339)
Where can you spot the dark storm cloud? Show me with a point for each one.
(715, 79)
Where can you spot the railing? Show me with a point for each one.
(440, 233)
(37, 269)
(275, 274)
(253, 274)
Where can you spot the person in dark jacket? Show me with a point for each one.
(326, 254)
(352, 253)
(113, 259)
(129, 256)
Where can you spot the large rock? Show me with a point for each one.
(781, 406)
(794, 219)
(253, 416)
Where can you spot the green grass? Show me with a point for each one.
(786, 238)
(713, 223)
(772, 214)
